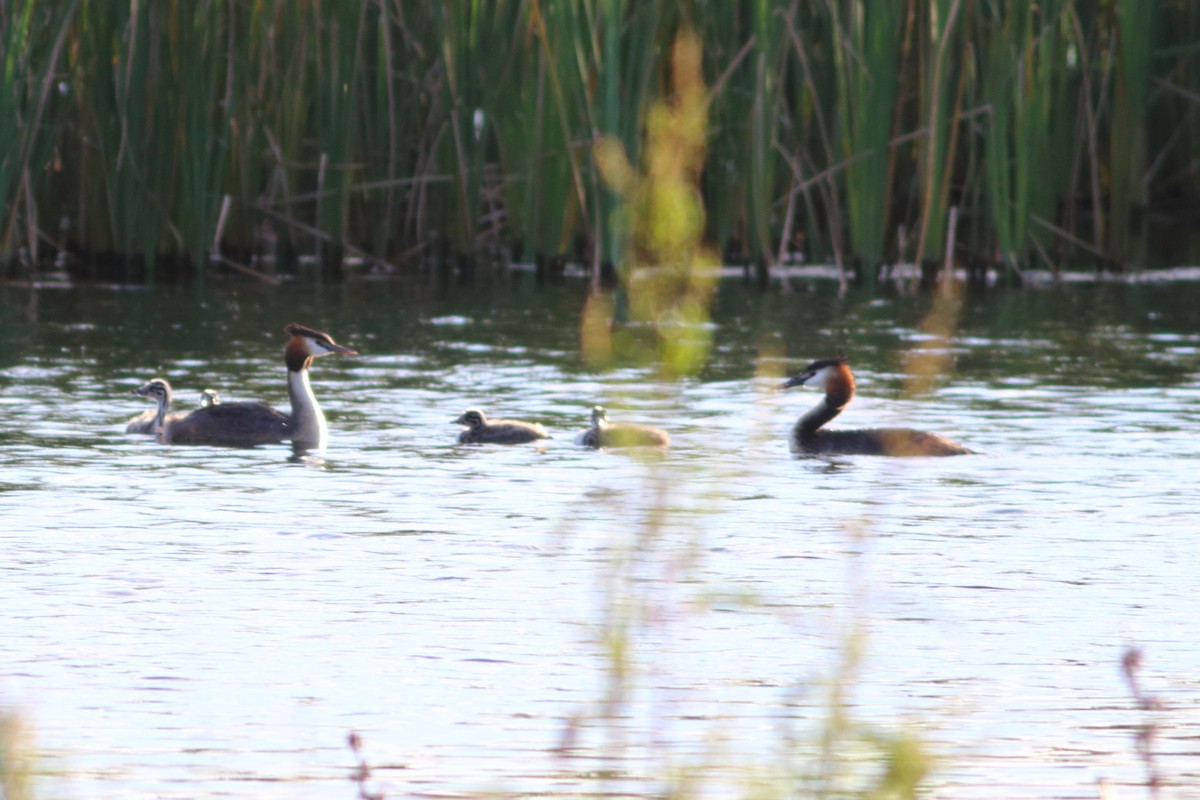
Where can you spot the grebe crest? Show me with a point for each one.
(481, 430)
(605, 434)
(830, 375)
(833, 376)
(306, 344)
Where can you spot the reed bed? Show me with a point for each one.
(170, 140)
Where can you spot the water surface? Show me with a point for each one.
(205, 622)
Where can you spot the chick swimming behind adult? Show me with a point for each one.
(605, 434)
(481, 430)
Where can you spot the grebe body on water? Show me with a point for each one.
(481, 430)
(605, 434)
(834, 377)
(247, 424)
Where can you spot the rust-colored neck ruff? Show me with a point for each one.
(839, 391)
(839, 387)
(297, 355)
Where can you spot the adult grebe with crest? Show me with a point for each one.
(833, 376)
(247, 424)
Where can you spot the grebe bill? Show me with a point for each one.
(833, 376)
(481, 430)
(248, 424)
(605, 434)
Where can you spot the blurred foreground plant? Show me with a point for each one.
(667, 274)
(1146, 730)
(659, 315)
(16, 758)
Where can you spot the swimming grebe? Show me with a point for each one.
(620, 434)
(833, 375)
(245, 424)
(150, 421)
(481, 430)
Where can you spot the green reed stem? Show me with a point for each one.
(939, 107)
(391, 127)
(1025, 151)
(33, 38)
(1127, 153)
(866, 67)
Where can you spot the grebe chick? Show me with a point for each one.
(833, 375)
(210, 397)
(481, 430)
(159, 391)
(247, 424)
(620, 434)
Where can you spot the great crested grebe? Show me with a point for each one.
(246, 424)
(481, 430)
(833, 375)
(159, 391)
(620, 434)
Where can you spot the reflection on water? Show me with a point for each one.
(200, 622)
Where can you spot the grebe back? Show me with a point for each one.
(248, 424)
(481, 430)
(604, 434)
(833, 375)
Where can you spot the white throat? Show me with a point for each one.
(308, 422)
(821, 379)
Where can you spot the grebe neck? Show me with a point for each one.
(816, 418)
(160, 416)
(307, 423)
(839, 391)
(309, 429)
(160, 391)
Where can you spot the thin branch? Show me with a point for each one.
(323, 236)
(1070, 237)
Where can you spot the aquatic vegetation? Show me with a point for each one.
(408, 135)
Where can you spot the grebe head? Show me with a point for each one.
(472, 418)
(819, 374)
(307, 344)
(210, 397)
(599, 417)
(156, 389)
